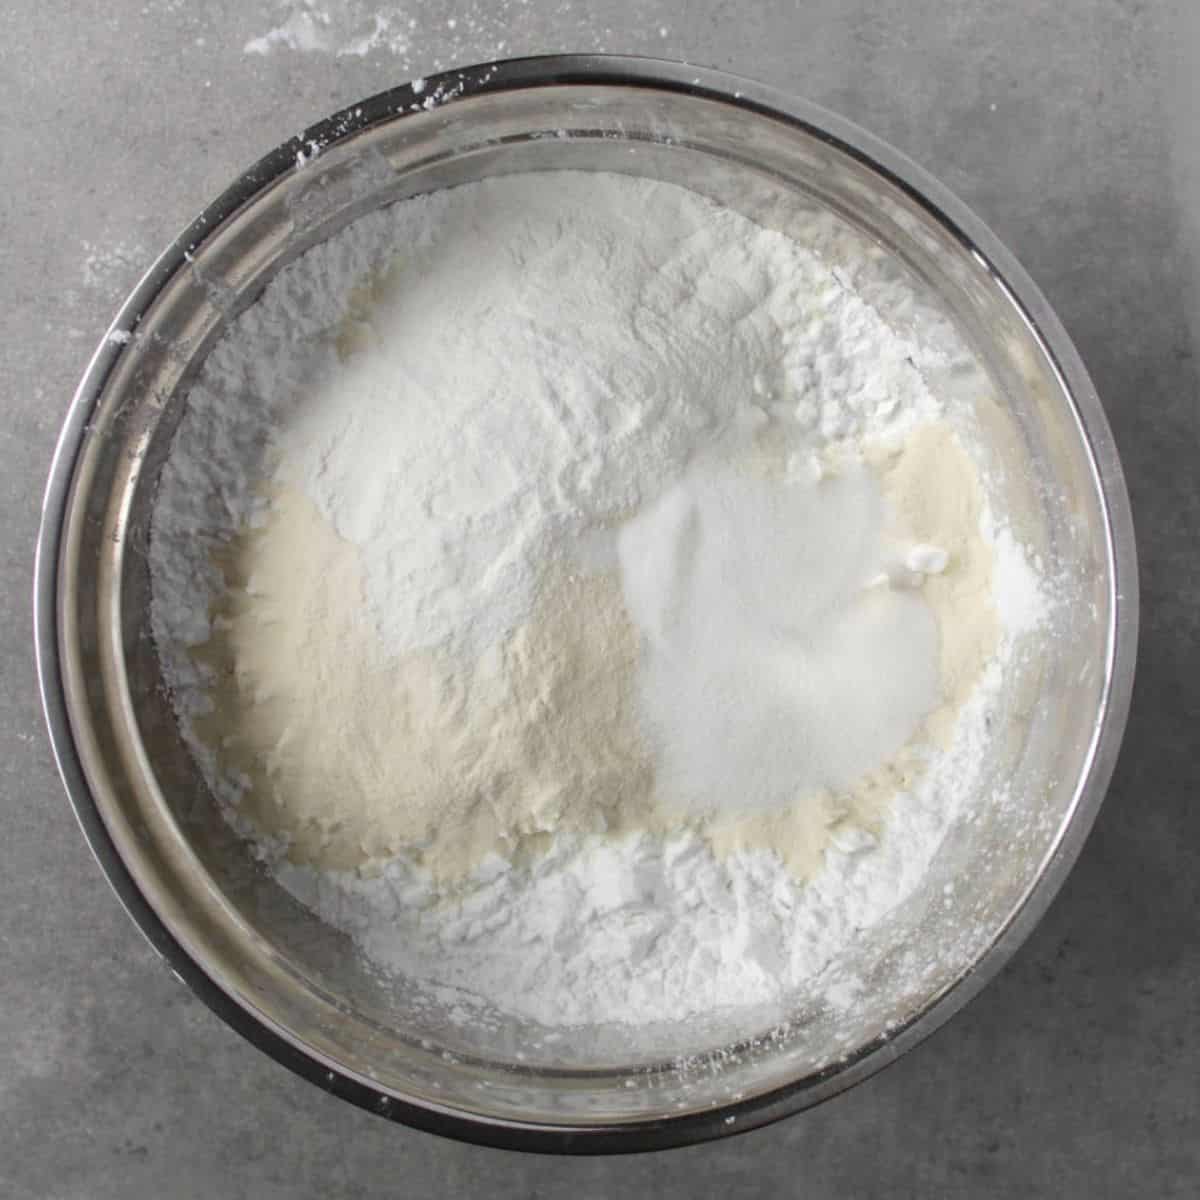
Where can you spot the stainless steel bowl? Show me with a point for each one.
(296, 988)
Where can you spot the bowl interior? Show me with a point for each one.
(305, 979)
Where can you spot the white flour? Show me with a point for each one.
(500, 414)
(484, 416)
(771, 668)
(349, 28)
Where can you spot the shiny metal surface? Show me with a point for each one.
(296, 988)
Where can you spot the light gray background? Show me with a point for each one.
(1072, 128)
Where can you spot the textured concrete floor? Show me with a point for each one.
(1072, 129)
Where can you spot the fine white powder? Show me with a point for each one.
(349, 28)
(478, 409)
(770, 667)
(538, 362)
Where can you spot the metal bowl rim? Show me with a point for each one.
(975, 237)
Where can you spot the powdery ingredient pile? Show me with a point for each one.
(598, 612)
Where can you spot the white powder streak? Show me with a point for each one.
(345, 29)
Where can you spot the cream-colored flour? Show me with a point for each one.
(355, 754)
(935, 498)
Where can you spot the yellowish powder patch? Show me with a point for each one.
(353, 756)
(934, 497)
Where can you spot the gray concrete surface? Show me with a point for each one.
(1072, 128)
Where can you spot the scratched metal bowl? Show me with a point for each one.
(298, 989)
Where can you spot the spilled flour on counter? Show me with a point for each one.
(350, 28)
(579, 597)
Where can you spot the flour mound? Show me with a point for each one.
(544, 579)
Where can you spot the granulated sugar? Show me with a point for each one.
(578, 595)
